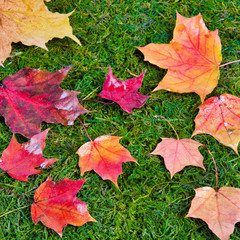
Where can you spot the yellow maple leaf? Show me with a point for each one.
(30, 22)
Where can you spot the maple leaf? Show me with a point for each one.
(55, 205)
(31, 96)
(220, 117)
(219, 209)
(20, 160)
(105, 156)
(179, 153)
(31, 23)
(192, 57)
(124, 93)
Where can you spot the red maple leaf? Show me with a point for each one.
(105, 156)
(55, 205)
(20, 160)
(31, 96)
(124, 93)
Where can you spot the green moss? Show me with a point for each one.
(149, 204)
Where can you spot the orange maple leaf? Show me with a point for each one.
(105, 156)
(55, 205)
(192, 57)
(179, 153)
(219, 209)
(220, 117)
(31, 23)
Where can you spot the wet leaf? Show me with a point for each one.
(220, 117)
(31, 96)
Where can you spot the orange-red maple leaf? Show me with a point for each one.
(55, 205)
(192, 57)
(31, 23)
(220, 117)
(31, 96)
(219, 209)
(179, 153)
(105, 156)
(20, 160)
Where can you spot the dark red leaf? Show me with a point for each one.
(31, 96)
(124, 93)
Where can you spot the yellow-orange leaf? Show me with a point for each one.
(220, 117)
(31, 23)
(105, 156)
(219, 209)
(192, 57)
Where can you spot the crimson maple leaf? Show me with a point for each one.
(105, 156)
(20, 160)
(31, 96)
(124, 93)
(55, 205)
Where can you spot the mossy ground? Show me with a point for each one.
(148, 204)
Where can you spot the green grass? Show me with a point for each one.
(149, 204)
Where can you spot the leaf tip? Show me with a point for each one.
(116, 184)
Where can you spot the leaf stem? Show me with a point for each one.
(85, 129)
(16, 194)
(2, 173)
(169, 124)
(216, 187)
(225, 64)
(14, 210)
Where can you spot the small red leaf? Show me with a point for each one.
(105, 156)
(124, 93)
(179, 153)
(31, 96)
(56, 205)
(20, 160)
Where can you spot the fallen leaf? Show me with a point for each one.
(220, 117)
(20, 160)
(31, 96)
(219, 209)
(124, 93)
(31, 23)
(55, 205)
(105, 156)
(179, 153)
(192, 57)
